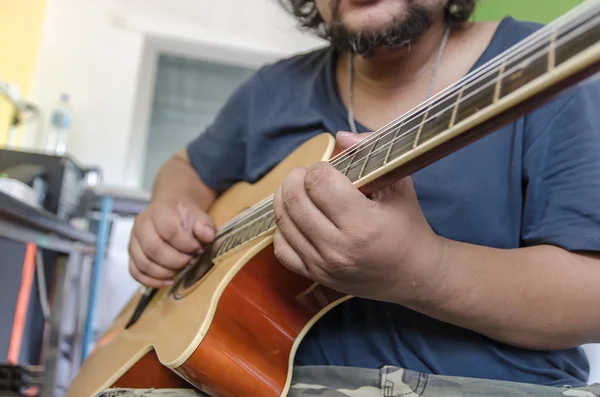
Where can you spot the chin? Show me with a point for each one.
(366, 15)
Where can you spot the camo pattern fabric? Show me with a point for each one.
(389, 381)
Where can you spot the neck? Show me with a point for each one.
(394, 68)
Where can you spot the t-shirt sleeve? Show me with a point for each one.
(561, 160)
(218, 154)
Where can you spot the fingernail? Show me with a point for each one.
(344, 133)
(169, 283)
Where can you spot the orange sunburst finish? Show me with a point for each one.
(148, 373)
(259, 316)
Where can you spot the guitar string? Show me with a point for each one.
(594, 22)
(529, 42)
(386, 146)
(408, 134)
(336, 161)
(399, 138)
(535, 40)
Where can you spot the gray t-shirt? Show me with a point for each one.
(534, 181)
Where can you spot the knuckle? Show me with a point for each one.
(360, 238)
(143, 266)
(278, 216)
(167, 230)
(292, 185)
(279, 248)
(291, 195)
(151, 247)
(369, 233)
(336, 261)
(136, 274)
(317, 175)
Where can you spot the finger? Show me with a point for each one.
(146, 266)
(286, 255)
(346, 139)
(160, 252)
(398, 193)
(145, 280)
(171, 227)
(204, 230)
(335, 196)
(304, 214)
(292, 235)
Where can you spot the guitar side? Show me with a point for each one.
(233, 333)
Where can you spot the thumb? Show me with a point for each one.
(196, 222)
(204, 228)
(348, 139)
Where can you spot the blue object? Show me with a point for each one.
(534, 181)
(101, 246)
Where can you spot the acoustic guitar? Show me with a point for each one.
(232, 322)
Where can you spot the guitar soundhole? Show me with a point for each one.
(193, 274)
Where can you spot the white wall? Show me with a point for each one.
(102, 52)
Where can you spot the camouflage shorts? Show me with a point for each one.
(328, 381)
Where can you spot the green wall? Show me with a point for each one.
(542, 11)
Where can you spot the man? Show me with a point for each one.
(484, 264)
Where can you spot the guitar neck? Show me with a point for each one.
(517, 81)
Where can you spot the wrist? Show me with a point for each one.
(429, 282)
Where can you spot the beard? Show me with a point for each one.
(401, 31)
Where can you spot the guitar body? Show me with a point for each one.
(229, 329)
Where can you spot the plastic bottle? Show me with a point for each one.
(60, 125)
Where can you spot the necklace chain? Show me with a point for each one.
(350, 65)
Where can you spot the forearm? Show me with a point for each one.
(537, 297)
(176, 179)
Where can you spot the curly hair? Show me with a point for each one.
(456, 12)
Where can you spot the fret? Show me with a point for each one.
(574, 40)
(477, 96)
(364, 163)
(391, 143)
(243, 232)
(404, 142)
(378, 155)
(231, 243)
(416, 142)
(263, 224)
(221, 249)
(499, 82)
(352, 157)
(272, 223)
(238, 238)
(455, 109)
(524, 68)
(552, 52)
(342, 165)
(248, 234)
(225, 245)
(439, 117)
(252, 230)
(359, 160)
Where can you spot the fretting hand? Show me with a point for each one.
(379, 247)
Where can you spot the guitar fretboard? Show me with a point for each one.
(468, 98)
(508, 73)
